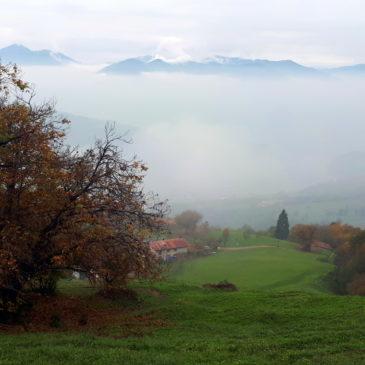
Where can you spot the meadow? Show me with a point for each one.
(281, 314)
(237, 238)
(279, 267)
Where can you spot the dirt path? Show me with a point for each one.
(244, 248)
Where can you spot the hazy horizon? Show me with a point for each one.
(327, 33)
(217, 136)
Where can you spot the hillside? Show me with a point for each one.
(197, 326)
(280, 315)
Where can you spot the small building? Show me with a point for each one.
(318, 246)
(170, 249)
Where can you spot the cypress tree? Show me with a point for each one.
(282, 226)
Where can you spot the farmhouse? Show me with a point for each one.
(318, 246)
(170, 249)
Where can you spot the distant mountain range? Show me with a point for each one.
(21, 55)
(225, 65)
(354, 69)
(215, 65)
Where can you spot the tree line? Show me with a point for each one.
(346, 242)
(348, 246)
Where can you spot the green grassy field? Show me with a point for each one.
(279, 316)
(271, 268)
(209, 327)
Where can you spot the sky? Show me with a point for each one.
(207, 137)
(321, 33)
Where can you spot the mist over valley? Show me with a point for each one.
(210, 140)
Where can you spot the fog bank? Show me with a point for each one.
(212, 137)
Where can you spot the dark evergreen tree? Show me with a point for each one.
(282, 226)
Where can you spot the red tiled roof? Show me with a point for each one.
(171, 244)
(322, 245)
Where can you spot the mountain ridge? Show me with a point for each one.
(215, 65)
(17, 53)
(218, 64)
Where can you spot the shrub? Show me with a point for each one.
(222, 285)
(55, 321)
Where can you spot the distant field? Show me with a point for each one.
(237, 238)
(272, 268)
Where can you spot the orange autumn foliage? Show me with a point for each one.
(66, 209)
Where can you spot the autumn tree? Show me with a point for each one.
(282, 226)
(62, 208)
(334, 234)
(225, 236)
(202, 233)
(304, 234)
(340, 233)
(349, 274)
(247, 231)
(188, 220)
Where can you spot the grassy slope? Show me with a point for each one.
(209, 327)
(279, 268)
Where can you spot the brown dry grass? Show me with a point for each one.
(94, 315)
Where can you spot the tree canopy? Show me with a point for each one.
(188, 220)
(62, 208)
